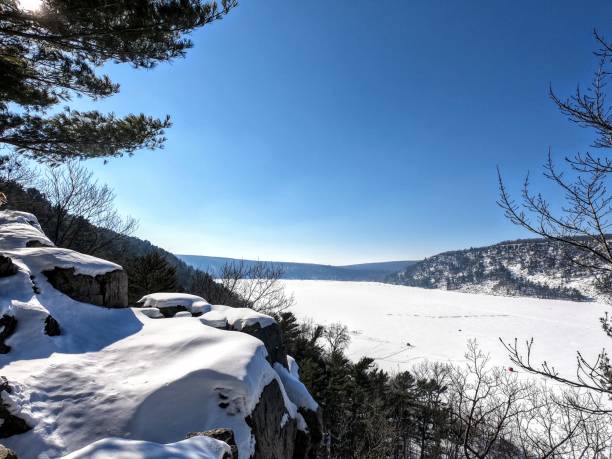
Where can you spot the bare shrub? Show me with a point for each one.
(77, 202)
(258, 285)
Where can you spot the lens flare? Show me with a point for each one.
(30, 5)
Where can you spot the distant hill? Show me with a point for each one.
(528, 267)
(308, 271)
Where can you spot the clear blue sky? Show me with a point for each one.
(352, 131)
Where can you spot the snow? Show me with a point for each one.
(157, 382)
(118, 373)
(215, 319)
(17, 235)
(162, 300)
(383, 318)
(183, 314)
(39, 259)
(152, 313)
(294, 368)
(18, 228)
(296, 390)
(237, 318)
(15, 216)
(119, 448)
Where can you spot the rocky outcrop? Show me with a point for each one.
(170, 311)
(224, 435)
(272, 337)
(6, 453)
(52, 327)
(274, 430)
(7, 267)
(8, 324)
(108, 290)
(9, 423)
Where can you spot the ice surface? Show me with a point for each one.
(384, 318)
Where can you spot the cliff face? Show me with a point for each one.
(84, 375)
(534, 268)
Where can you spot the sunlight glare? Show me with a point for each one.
(29, 5)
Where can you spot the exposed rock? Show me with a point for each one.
(6, 453)
(272, 337)
(34, 243)
(8, 324)
(170, 311)
(7, 267)
(9, 423)
(108, 290)
(225, 435)
(303, 448)
(307, 447)
(52, 327)
(274, 431)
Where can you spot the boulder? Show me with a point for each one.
(272, 337)
(9, 423)
(274, 430)
(7, 267)
(224, 435)
(108, 290)
(6, 453)
(8, 324)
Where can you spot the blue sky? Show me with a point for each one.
(352, 131)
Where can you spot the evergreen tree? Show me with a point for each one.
(150, 273)
(49, 55)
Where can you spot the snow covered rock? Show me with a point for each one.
(171, 303)
(274, 430)
(307, 406)
(183, 314)
(239, 318)
(109, 289)
(224, 435)
(118, 448)
(272, 337)
(21, 229)
(82, 277)
(248, 321)
(118, 383)
(245, 320)
(10, 422)
(152, 313)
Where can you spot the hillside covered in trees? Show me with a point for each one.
(529, 267)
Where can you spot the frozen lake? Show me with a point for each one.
(383, 318)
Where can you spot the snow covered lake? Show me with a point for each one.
(383, 318)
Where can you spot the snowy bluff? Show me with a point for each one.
(85, 376)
